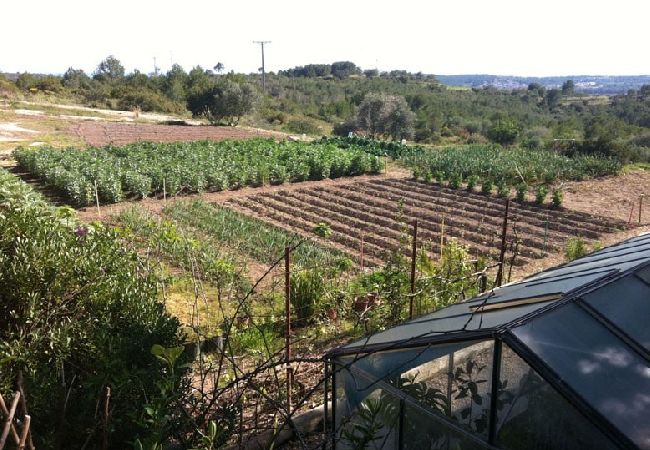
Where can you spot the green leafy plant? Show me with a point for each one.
(323, 230)
(575, 248)
(540, 194)
(486, 186)
(557, 198)
(472, 181)
(522, 189)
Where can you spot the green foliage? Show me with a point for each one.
(522, 189)
(504, 132)
(509, 165)
(557, 198)
(486, 186)
(503, 189)
(575, 248)
(385, 115)
(146, 168)
(372, 421)
(472, 181)
(302, 127)
(250, 236)
(540, 194)
(307, 289)
(323, 230)
(455, 181)
(225, 101)
(79, 314)
(109, 70)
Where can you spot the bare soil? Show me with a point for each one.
(116, 133)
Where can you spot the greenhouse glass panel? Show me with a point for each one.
(531, 415)
(597, 365)
(422, 432)
(626, 303)
(366, 416)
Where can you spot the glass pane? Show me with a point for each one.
(595, 364)
(533, 416)
(366, 416)
(626, 303)
(455, 385)
(422, 432)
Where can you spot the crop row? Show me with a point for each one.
(145, 168)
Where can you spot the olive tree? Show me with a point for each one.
(226, 101)
(386, 116)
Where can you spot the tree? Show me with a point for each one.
(226, 101)
(504, 132)
(76, 79)
(385, 115)
(218, 67)
(343, 69)
(176, 83)
(568, 87)
(553, 97)
(110, 69)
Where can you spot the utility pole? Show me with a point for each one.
(155, 66)
(263, 72)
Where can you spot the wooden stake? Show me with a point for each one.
(99, 213)
(164, 191)
(629, 220)
(442, 235)
(107, 400)
(502, 256)
(25, 432)
(9, 420)
(5, 411)
(413, 264)
(287, 331)
(640, 207)
(361, 251)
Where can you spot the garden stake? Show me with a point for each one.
(99, 213)
(413, 258)
(629, 220)
(504, 233)
(287, 332)
(640, 206)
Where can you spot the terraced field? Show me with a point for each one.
(378, 210)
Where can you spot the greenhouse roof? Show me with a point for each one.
(517, 303)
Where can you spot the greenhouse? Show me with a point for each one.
(558, 361)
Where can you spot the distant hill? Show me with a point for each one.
(586, 84)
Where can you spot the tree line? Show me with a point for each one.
(342, 98)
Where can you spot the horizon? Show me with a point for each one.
(466, 37)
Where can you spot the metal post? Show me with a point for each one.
(413, 264)
(494, 401)
(287, 331)
(502, 256)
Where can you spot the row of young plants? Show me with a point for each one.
(145, 168)
(502, 189)
(506, 165)
(254, 238)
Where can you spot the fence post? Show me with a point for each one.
(99, 213)
(413, 266)
(9, 420)
(287, 331)
(640, 207)
(361, 251)
(502, 256)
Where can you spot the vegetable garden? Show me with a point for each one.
(110, 174)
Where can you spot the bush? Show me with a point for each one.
(522, 188)
(575, 248)
(302, 127)
(557, 198)
(486, 186)
(79, 314)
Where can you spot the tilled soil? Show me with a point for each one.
(114, 133)
(379, 212)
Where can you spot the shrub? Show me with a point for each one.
(575, 248)
(302, 127)
(503, 190)
(455, 181)
(79, 314)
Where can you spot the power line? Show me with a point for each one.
(263, 72)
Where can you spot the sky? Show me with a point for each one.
(500, 37)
